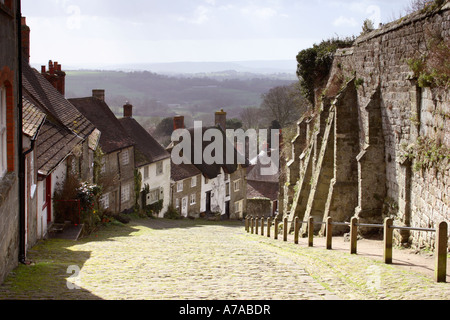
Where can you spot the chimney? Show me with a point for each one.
(221, 119)
(55, 76)
(99, 94)
(128, 110)
(178, 122)
(25, 40)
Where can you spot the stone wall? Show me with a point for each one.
(381, 134)
(9, 190)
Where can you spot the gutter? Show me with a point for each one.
(22, 222)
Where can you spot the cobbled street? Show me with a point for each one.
(153, 259)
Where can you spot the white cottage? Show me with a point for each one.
(152, 161)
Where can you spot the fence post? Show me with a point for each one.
(252, 225)
(256, 225)
(388, 238)
(353, 235)
(247, 224)
(296, 229)
(329, 231)
(262, 226)
(285, 227)
(440, 269)
(275, 236)
(269, 225)
(310, 231)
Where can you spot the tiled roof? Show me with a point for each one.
(32, 119)
(182, 171)
(64, 127)
(54, 144)
(261, 189)
(211, 171)
(40, 92)
(147, 149)
(113, 136)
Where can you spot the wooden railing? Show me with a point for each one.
(259, 226)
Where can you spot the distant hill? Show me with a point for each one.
(195, 95)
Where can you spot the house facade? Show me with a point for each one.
(223, 185)
(186, 190)
(117, 162)
(152, 161)
(10, 227)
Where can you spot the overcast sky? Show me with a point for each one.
(101, 32)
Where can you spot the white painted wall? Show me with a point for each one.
(159, 181)
(218, 194)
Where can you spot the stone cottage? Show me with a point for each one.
(117, 163)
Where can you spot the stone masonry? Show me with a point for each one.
(361, 152)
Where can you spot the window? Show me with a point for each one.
(193, 182)
(193, 199)
(125, 194)
(159, 168)
(125, 157)
(177, 203)
(179, 186)
(227, 176)
(146, 172)
(153, 196)
(3, 133)
(104, 201)
(227, 189)
(237, 185)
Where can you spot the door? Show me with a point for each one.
(227, 209)
(184, 207)
(208, 201)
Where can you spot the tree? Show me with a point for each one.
(284, 104)
(314, 64)
(234, 123)
(251, 118)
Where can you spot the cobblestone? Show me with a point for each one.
(199, 260)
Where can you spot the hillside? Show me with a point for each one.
(156, 95)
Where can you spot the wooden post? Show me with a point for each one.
(329, 231)
(296, 229)
(353, 235)
(252, 225)
(247, 224)
(388, 239)
(310, 231)
(269, 226)
(262, 226)
(285, 227)
(276, 228)
(440, 271)
(256, 225)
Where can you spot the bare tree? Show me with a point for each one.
(251, 118)
(416, 5)
(284, 104)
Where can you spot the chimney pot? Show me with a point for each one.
(25, 32)
(99, 94)
(43, 69)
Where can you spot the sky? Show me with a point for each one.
(94, 33)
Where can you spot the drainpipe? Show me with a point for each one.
(22, 222)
